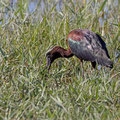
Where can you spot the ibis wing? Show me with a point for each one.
(103, 45)
(82, 49)
(89, 46)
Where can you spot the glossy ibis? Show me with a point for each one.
(85, 45)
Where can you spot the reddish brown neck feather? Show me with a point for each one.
(58, 51)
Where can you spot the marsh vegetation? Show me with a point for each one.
(28, 29)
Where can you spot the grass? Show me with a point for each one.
(27, 91)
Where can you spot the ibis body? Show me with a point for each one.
(85, 45)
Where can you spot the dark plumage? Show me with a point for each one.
(85, 45)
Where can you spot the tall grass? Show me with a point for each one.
(27, 91)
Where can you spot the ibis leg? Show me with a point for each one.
(82, 68)
(93, 64)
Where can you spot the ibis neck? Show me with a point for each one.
(61, 52)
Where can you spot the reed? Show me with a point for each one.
(27, 91)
